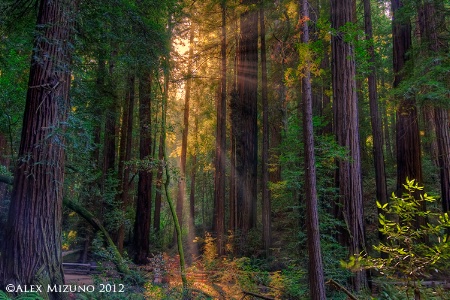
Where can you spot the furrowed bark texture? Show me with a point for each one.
(375, 118)
(32, 253)
(407, 127)
(246, 107)
(409, 157)
(350, 207)
(315, 264)
(432, 28)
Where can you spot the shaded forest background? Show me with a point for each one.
(256, 136)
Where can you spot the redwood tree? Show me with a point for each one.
(184, 134)
(246, 148)
(245, 118)
(32, 254)
(266, 204)
(126, 135)
(409, 159)
(219, 163)
(144, 197)
(315, 264)
(431, 24)
(345, 110)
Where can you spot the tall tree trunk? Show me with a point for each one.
(429, 144)
(32, 255)
(126, 137)
(161, 151)
(443, 141)
(375, 118)
(144, 197)
(184, 138)
(109, 139)
(234, 120)
(158, 196)
(315, 266)
(192, 193)
(431, 23)
(266, 205)
(246, 107)
(192, 232)
(219, 174)
(94, 200)
(409, 159)
(350, 208)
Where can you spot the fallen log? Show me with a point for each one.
(340, 287)
(121, 266)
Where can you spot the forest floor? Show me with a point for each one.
(163, 279)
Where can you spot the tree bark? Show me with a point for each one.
(266, 204)
(161, 152)
(184, 138)
(350, 207)
(315, 264)
(246, 108)
(232, 224)
(219, 163)
(33, 231)
(144, 197)
(409, 158)
(375, 118)
(431, 20)
(126, 137)
(158, 196)
(192, 230)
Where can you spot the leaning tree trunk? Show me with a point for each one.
(32, 254)
(345, 108)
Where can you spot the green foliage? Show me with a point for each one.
(286, 282)
(23, 296)
(391, 291)
(15, 51)
(410, 253)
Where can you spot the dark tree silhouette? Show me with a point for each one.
(245, 106)
(144, 196)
